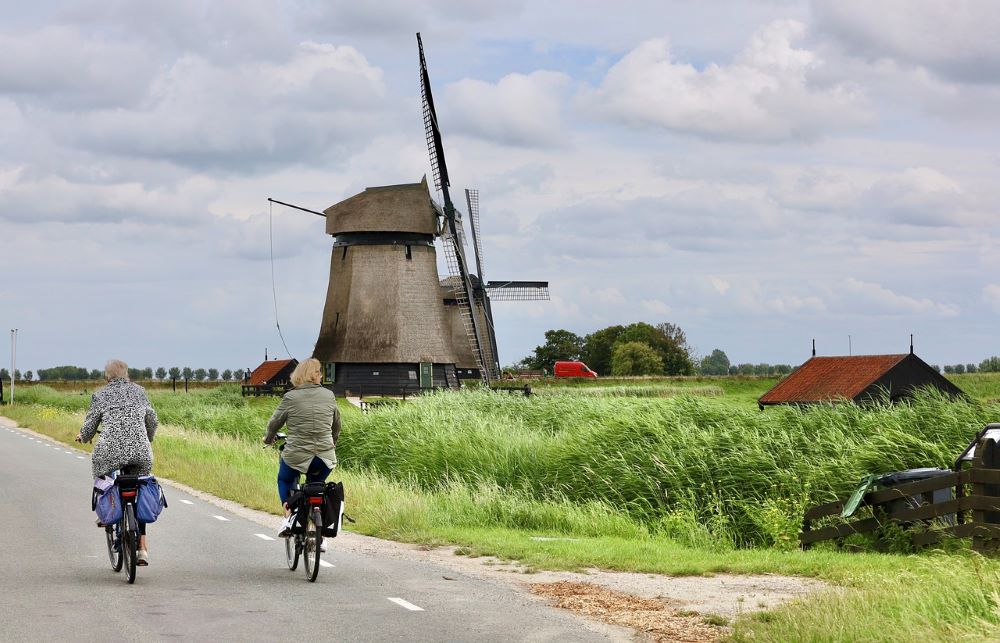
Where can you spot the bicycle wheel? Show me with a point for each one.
(130, 537)
(114, 551)
(292, 550)
(313, 540)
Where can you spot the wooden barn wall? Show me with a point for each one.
(902, 379)
(391, 379)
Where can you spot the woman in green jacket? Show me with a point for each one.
(313, 420)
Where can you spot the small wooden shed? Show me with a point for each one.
(858, 378)
(272, 377)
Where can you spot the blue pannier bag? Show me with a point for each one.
(150, 501)
(105, 501)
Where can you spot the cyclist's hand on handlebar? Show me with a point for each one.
(78, 438)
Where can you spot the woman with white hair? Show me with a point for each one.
(129, 423)
(313, 420)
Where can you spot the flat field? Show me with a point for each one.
(676, 476)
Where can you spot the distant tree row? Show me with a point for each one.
(636, 349)
(161, 373)
(988, 365)
(717, 363)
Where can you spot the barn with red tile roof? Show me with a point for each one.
(271, 375)
(858, 378)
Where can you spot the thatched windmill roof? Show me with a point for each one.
(391, 208)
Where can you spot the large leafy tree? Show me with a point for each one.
(635, 358)
(187, 372)
(715, 364)
(676, 360)
(200, 374)
(175, 373)
(227, 375)
(559, 345)
(161, 373)
(213, 374)
(598, 346)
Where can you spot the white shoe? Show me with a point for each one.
(286, 526)
(322, 547)
(142, 558)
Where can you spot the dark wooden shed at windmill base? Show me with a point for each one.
(858, 378)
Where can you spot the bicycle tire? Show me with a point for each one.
(130, 537)
(114, 553)
(292, 551)
(310, 550)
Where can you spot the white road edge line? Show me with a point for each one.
(408, 605)
(80, 457)
(266, 537)
(222, 518)
(187, 502)
(323, 563)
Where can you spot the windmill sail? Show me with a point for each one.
(454, 241)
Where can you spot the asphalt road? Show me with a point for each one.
(216, 576)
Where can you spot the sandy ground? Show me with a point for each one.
(680, 597)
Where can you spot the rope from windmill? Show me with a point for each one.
(274, 289)
(270, 234)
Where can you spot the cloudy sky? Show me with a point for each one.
(760, 173)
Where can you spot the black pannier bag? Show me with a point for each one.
(333, 509)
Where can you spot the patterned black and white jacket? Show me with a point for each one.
(129, 424)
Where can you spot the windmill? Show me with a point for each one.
(471, 292)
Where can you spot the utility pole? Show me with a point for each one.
(849, 351)
(13, 361)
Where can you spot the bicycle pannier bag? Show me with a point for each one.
(333, 508)
(105, 501)
(150, 501)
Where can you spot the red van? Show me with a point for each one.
(573, 369)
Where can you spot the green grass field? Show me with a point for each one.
(676, 476)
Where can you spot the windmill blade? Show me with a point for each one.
(472, 200)
(518, 290)
(434, 146)
(455, 238)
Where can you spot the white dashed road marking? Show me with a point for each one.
(323, 563)
(408, 605)
(80, 457)
(222, 518)
(263, 537)
(187, 502)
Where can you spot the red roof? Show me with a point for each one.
(264, 373)
(830, 378)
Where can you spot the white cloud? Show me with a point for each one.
(991, 295)
(955, 39)
(523, 110)
(324, 101)
(657, 307)
(769, 93)
(720, 285)
(878, 299)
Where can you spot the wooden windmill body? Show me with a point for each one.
(391, 323)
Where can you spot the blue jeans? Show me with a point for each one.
(288, 477)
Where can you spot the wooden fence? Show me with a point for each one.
(973, 510)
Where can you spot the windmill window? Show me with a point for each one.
(336, 322)
(344, 255)
(409, 253)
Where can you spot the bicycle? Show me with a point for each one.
(306, 539)
(123, 536)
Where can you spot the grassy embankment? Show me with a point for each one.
(661, 485)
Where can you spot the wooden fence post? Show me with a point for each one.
(987, 457)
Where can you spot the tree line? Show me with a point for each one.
(645, 349)
(636, 349)
(77, 373)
